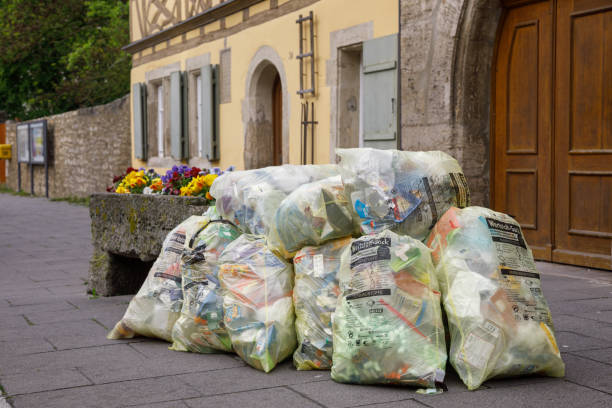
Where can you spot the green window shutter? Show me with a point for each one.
(178, 133)
(139, 104)
(210, 111)
(380, 92)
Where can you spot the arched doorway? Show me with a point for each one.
(551, 135)
(266, 112)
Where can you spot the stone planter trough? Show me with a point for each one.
(127, 233)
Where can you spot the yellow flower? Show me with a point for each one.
(209, 178)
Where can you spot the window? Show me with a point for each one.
(160, 121)
(199, 113)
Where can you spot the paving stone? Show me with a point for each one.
(592, 306)
(12, 322)
(602, 355)
(38, 380)
(556, 394)
(570, 341)
(273, 397)
(103, 357)
(170, 404)
(25, 346)
(247, 378)
(602, 316)
(332, 394)
(176, 363)
(588, 327)
(407, 403)
(588, 373)
(110, 395)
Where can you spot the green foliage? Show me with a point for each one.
(62, 55)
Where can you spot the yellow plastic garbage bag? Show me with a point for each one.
(500, 324)
(311, 215)
(250, 198)
(388, 323)
(315, 296)
(153, 311)
(257, 302)
(200, 327)
(400, 190)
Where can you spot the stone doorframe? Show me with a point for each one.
(447, 49)
(337, 39)
(257, 108)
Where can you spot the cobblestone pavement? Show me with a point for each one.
(54, 353)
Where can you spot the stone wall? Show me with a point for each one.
(447, 49)
(87, 147)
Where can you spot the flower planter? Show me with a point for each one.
(127, 234)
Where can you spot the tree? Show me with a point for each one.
(62, 55)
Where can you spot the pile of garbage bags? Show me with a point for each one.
(388, 322)
(499, 321)
(328, 263)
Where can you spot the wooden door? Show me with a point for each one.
(277, 121)
(522, 144)
(583, 133)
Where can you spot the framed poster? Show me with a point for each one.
(23, 144)
(38, 140)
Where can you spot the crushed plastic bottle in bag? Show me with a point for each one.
(315, 296)
(311, 215)
(153, 311)
(200, 327)
(249, 198)
(388, 323)
(499, 320)
(257, 302)
(401, 190)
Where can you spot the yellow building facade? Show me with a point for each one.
(252, 83)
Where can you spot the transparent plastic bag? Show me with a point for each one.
(401, 190)
(315, 296)
(249, 198)
(499, 321)
(257, 305)
(311, 215)
(388, 322)
(153, 311)
(200, 327)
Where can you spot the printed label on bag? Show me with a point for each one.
(476, 351)
(318, 265)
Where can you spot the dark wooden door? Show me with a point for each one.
(523, 123)
(583, 133)
(277, 121)
(552, 124)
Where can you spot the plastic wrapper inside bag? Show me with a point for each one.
(499, 321)
(200, 327)
(315, 296)
(257, 302)
(388, 324)
(400, 190)
(311, 215)
(157, 305)
(250, 198)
